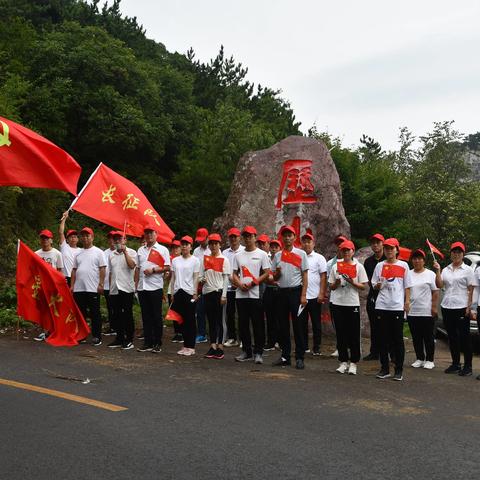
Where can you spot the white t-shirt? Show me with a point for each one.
(421, 287)
(87, 264)
(68, 254)
(392, 294)
(215, 280)
(184, 268)
(456, 286)
(154, 281)
(290, 276)
(53, 257)
(316, 266)
(200, 252)
(346, 295)
(108, 253)
(255, 261)
(230, 254)
(122, 275)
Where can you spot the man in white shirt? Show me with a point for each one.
(202, 249)
(112, 328)
(68, 246)
(51, 255)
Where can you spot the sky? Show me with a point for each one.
(350, 67)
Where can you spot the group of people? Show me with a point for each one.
(269, 287)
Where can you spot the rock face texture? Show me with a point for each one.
(294, 182)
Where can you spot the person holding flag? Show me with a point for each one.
(68, 246)
(214, 275)
(389, 279)
(346, 279)
(200, 251)
(112, 327)
(175, 249)
(291, 272)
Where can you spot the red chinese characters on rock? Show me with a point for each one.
(296, 181)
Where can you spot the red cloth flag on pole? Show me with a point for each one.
(349, 269)
(29, 160)
(43, 297)
(404, 254)
(213, 263)
(116, 201)
(390, 270)
(434, 249)
(174, 316)
(156, 257)
(246, 273)
(292, 258)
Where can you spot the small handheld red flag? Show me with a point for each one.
(434, 249)
(213, 263)
(247, 274)
(292, 258)
(174, 316)
(390, 270)
(349, 269)
(156, 257)
(404, 254)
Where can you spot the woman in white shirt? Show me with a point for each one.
(421, 305)
(347, 278)
(457, 280)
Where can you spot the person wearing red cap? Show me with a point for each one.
(250, 268)
(316, 292)
(153, 260)
(68, 246)
(291, 271)
(376, 244)
(88, 279)
(185, 276)
(346, 279)
(421, 305)
(230, 252)
(389, 278)
(270, 302)
(457, 281)
(175, 250)
(214, 275)
(112, 328)
(200, 251)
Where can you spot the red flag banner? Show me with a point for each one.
(349, 269)
(114, 200)
(434, 249)
(390, 270)
(29, 160)
(43, 297)
(247, 274)
(404, 254)
(174, 316)
(292, 258)
(213, 263)
(156, 257)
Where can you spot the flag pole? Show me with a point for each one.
(431, 251)
(125, 228)
(18, 316)
(84, 187)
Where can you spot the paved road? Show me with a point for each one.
(204, 419)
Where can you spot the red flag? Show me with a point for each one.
(43, 297)
(390, 270)
(174, 316)
(404, 254)
(213, 263)
(349, 269)
(29, 160)
(434, 249)
(114, 200)
(247, 274)
(156, 257)
(292, 258)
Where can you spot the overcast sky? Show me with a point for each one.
(351, 67)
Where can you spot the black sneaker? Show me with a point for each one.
(110, 332)
(370, 357)
(141, 336)
(219, 354)
(96, 341)
(316, 351)
(478, 377)
(465, 372)
(128, 346)
(144, 348)
(453, 369)
(177, 338)
(299, 364)
(115, 344)
(281, 362)
(156, 349)
(398, 376)
(211, 353)
(383, 374)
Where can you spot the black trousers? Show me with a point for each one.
(421, 329)
(231, 306)
(270, 306)
(182, 304)
(214, 312)
(122, 312)
(251, 310)
(314, 311)
(288, 303)
(347, 324)
(458, 329)
(110, 316)
(152, 318)
(177, 327)
(391, 338)
(89, 305)
(374, 326)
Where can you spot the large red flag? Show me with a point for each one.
(116, 201)
(434, 249)
(390, 270)
(29, 160)
(43, 297)
(404, 254)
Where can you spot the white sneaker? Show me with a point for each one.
(418, 364)
(231, 342)
(189, 352)
(334, 354)
(429, 365)
(182, 351)
(343, 367)
(352, 369)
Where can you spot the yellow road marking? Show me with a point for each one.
(64, 395)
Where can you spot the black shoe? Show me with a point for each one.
(177, 338)
(144, 348)
(269, 348)
(115, 344)
(141, 336)
(398, 376)
(370, 357)
(281, 362)
(110, 332)
(128, 346)
(299, 365)
(316, 351)
(478, 377)
(156, 349)
(211, 353)
(383, 374)
(465, 372)
(453, 369)
(96, 341)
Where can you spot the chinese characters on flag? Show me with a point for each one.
(213, 263)
(296, 181)
(349, 269)
(392, 271)
(292, 258)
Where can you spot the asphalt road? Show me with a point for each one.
(205, 419)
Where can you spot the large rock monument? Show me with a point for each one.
(294, 182)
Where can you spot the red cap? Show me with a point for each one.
(339, 239)
(275, 242)
(149, 229)
(187, 238)
(249, 229)
(391, 242)
(175, 243)
(347, 244)
(202, 234)
(46, 233)
(418, 252)
(86, 230)
(308, 235)
(377, 236)
(214, 237)
(111, 233)
(234, 231)
(287, 228)
(459, 245)
(71, 232)
(263, 238)
(117, 233)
